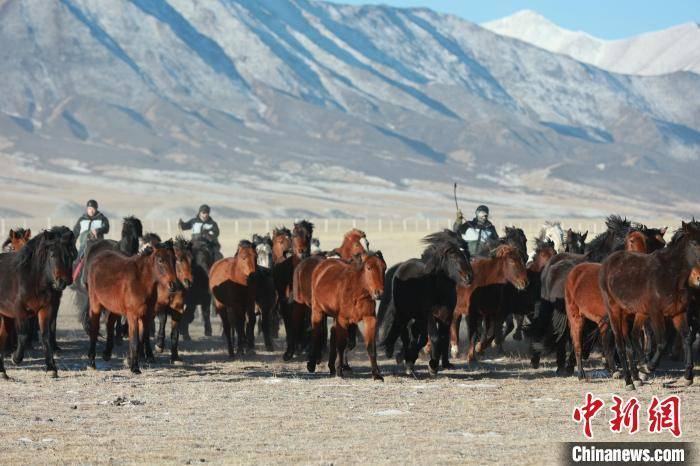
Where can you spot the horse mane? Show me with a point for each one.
(134, 224)
(245, 244)
(503, 249)
(182, 244)
(281, 231)
(680, 234)
(304, 227)
(612, 239)
(356, 232)
(542, 243)
(439, 246)
(260, 239)
(150, 238)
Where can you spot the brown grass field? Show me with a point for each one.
(260, 410)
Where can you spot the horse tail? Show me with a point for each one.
(560, 321)
(386, 297)
(388, 329)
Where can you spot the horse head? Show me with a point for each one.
(301, 238)
(246, 260)
(354, 243)
(132, 231)
(281, 244)
(636, 241)
(203, 252)
(448, 253)
(162, 257)
(263, 248)
(653, 238)
(373, 270)
(514, 270)
(18, 238)
(575, 242)
(544, 251)
(183, 261)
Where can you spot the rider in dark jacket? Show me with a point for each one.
(476, 232)
(202, 225)
(91, 225)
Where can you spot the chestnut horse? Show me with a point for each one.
(655, 286)
(348, 293)
(232, 285)
(129, 287)
(31, 279)
(17, 238)
(354, 242)
(584, 301)
(505, 265)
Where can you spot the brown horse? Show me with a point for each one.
(656, 286)
(129, 287)
(347, 292)
(17, 238)
(30, 280)
(584, 301)
(504, 266)
(232, 285)
(354, 242)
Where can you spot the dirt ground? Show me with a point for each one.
(259, 409)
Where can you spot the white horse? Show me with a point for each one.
(553, 232)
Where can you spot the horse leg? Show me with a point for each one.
(618, 325)
(434, 336)
(55, 304)
(22, 328)
(44, 321)
(341, 341)
(160, 338)
(371, 344)
(317, 318)
(148, 325)
(680, 322)
(111, 321)
(608, 348)
(206, 312)
(250, 319)
(411, 347)
(4, 330)
(454, 335)
(576, 328)
(239, 317)
(95, 311)
(658, 325)
(518, 334)
(174, 336)
(332, 350)
(266, 320)
(226, 324)
(133, 354)
(473, 323)
(443, 344)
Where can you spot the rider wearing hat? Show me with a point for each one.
(477, 231)
(202, 225)
(91, 225)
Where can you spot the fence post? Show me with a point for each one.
(427, 224)
(235, 226)
(354, 223)
(404, 224)
(391, 225)
(325, 225)
(48, 223)
(24, 223)
(167, 227)
(2, 227)
(379, 225)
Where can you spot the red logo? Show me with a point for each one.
(586, 412)
(625, 416)
(665, 415)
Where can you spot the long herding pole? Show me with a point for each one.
(455, 195)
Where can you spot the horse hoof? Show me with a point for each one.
(3, 376)
(160, 349)
(16, 359)
(454, 350)
(630, 387)
(287, 356)
(269, 348)
(91, 365)
(617, 375)
(687, 382)
(311, 367)
(432, 372)
(643, 376)
(535, 362)
(448, 366)
(399, 359)
(52, 373)
(517, 336)
(135, 370)
(106, 356)
(378, 377)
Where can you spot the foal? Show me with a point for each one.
(128, 286)
(17, 238)
(346, 292)
(232, 285)
(504, 266)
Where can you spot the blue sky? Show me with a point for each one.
(611, 19)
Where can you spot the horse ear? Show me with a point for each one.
(28, 234)
(684, 226)
(12, 234)
(663, 230)
(584, 236)
(379, 254)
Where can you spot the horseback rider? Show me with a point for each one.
(203, 226)
(91, 225)
(476, 232)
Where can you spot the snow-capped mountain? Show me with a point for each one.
(659, 52)
(340, 109)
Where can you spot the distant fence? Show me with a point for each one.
(242, 228)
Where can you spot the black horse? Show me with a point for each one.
(204, 254)
(31, 282)
(419, 299)
(549, 330)
(132, 231)
(265, 293)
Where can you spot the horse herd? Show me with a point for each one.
(627, 291)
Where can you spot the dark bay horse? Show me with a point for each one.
(265, 293)
(584, 301)
(128, 286)
(506, 265)
(655, 287)
(30, 281)
(204, 253)
(17, 238)
(232, 284)
(347, 292)
(420, 297)
(354, 243)
(282, 273)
